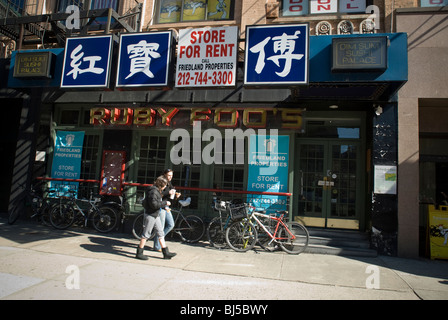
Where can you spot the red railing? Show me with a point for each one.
(133, 184)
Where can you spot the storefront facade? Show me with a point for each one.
(334, 114)
(332, 126)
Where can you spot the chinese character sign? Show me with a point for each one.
(277, 54)
(86, 62)
(144, 59)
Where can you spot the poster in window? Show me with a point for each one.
(385, 180)
(112, 174)
(66, 164)
(194, 10)
(219, 9)
(170, 11)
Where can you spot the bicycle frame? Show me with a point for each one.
(228, 219)
(89, 210)
(179, 217)
(279, 220)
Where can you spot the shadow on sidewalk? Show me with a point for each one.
(111, 245)
(27, 231)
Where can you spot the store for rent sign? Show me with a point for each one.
(206, 57)
(67, 160)
(268, 170)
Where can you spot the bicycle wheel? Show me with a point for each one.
(241, 235)
(137, 228)
(216, 234)
(295, 240)
(14, 214)
(62, 216)
(105, 219)
(191, 229)
(45, 214)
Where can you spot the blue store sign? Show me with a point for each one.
(268, 170)
(67, 160)
(87, 62)
(144, 59)
(277, 54)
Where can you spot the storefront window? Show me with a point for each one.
(194, 10)
(89, 163)
(322, 131)
(69, 117)
(152, 156)
(230, 176)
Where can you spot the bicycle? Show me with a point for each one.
(104, 218)
(216, 229)
(189, 228)
(292, 237)
(40, 206)
(122, 210)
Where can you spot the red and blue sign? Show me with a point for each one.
(144, 59)
(87, 62)
(277, 54)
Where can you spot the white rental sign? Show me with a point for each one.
(207, 57)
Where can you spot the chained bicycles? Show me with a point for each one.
(216, 229)
(40, 205)
(64, 214)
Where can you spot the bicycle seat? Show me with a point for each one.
(185, 202)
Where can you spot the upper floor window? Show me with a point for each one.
(14, 5)
(88, 4)
(310, 7)
(433, 3)
(193, 10)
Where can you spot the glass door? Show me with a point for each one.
(329, 183)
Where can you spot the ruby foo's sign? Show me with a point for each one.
(176, 117)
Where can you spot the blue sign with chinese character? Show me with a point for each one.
(277, 54)
(144, 59)
(87, 62)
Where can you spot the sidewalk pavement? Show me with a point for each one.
(38, 262)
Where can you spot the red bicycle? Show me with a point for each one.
(291, 237)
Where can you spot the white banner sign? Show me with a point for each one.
(323, 6)
(207, 57)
